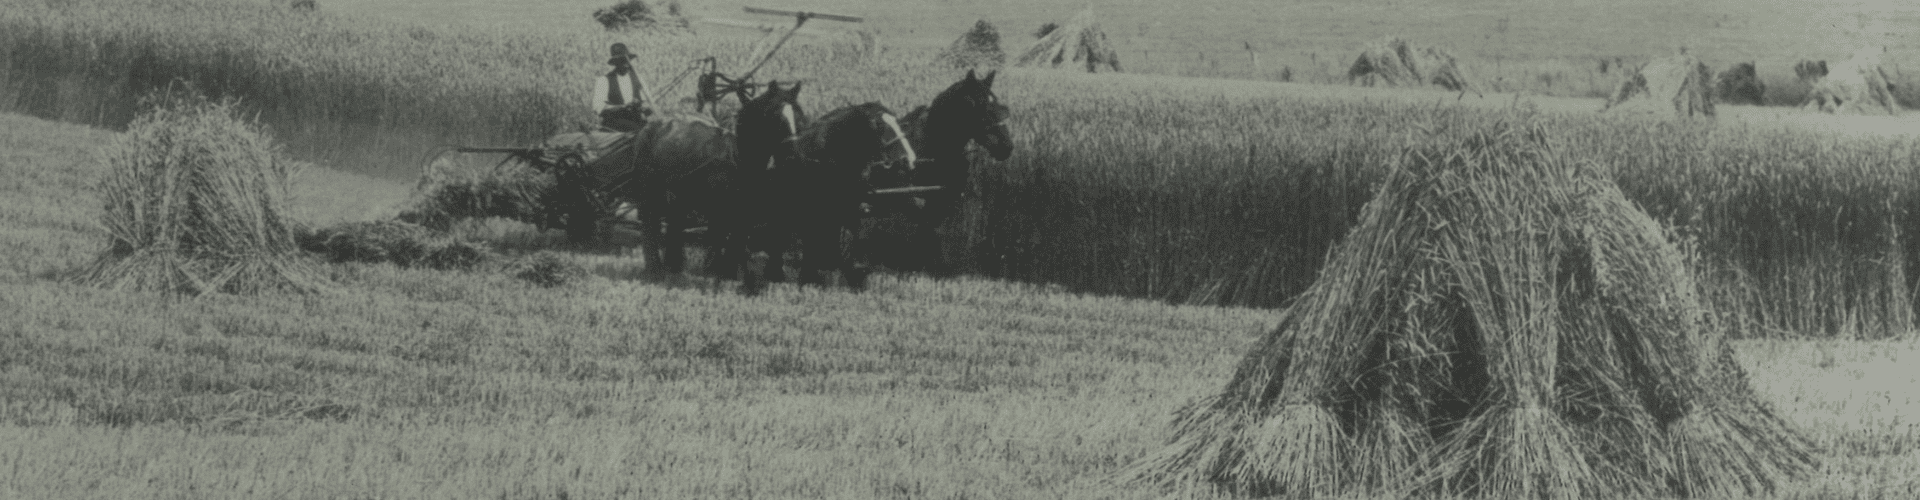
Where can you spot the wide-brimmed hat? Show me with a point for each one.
(620, 53)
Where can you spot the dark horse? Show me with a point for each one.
(765, 131)
(667, 171)
(966, 112)
(807, 180)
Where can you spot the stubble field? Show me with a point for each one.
(419, 384)
(426, 384)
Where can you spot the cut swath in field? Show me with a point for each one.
(395, 242)
(1500, 324)
(196, 202)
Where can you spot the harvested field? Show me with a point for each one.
(1237, 206)
(428, 384)
(559, 374)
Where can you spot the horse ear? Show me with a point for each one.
(773, 87)
(988, 81)
(794, 92)
(970, 76)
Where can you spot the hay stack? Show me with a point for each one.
(1080, 41)
(861, 44)
(636, 16)
(197, 202)
(1740, 84)
(1809, 71)
(1855, 87)
(1500, 324)
(1678, 84)
(1394, 63)
(978, 47)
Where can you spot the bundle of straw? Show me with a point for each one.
(1393, 62)
(1501, 324)
(977, 47)
(448, 195)
(196, 202)
(1679, 84)
(396, 242)
(1080, 41)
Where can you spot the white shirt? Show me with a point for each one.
(630, 91)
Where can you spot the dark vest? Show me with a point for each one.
(613, 89)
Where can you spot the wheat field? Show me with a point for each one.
(1212, 158)
(430, 384)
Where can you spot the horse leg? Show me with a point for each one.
(760, 238)
(926, 245)
(652, 239)
(738, 247)
(673, 234)
(582, 216)
(820, 249)
(722, 258)
(582, 224)
(922, 248)
(854, 263)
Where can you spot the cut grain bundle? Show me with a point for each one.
(1080, 41)
(1678, 84)
(638, 16)
(1808, 71)
(1394, 63)
(448, 194)
(1855, 87)
(1500, 324)
(397, 242)
(197, 202)
(978, 47)
(1740, 84)
(856, 45)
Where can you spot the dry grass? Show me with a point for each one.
(1857, 86)
(427, 384)
(196, 202)
(447, 194)
(1079, 43)
(1679, 84)
(1392, 62)
(979, 47)
(1501, 323)
(1200, 191)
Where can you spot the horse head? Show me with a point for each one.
(766, 126)
(969, 109)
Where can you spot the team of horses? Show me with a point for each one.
(781, 179)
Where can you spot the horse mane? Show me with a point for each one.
(815, 134)
(915, 123)
(935, 120)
